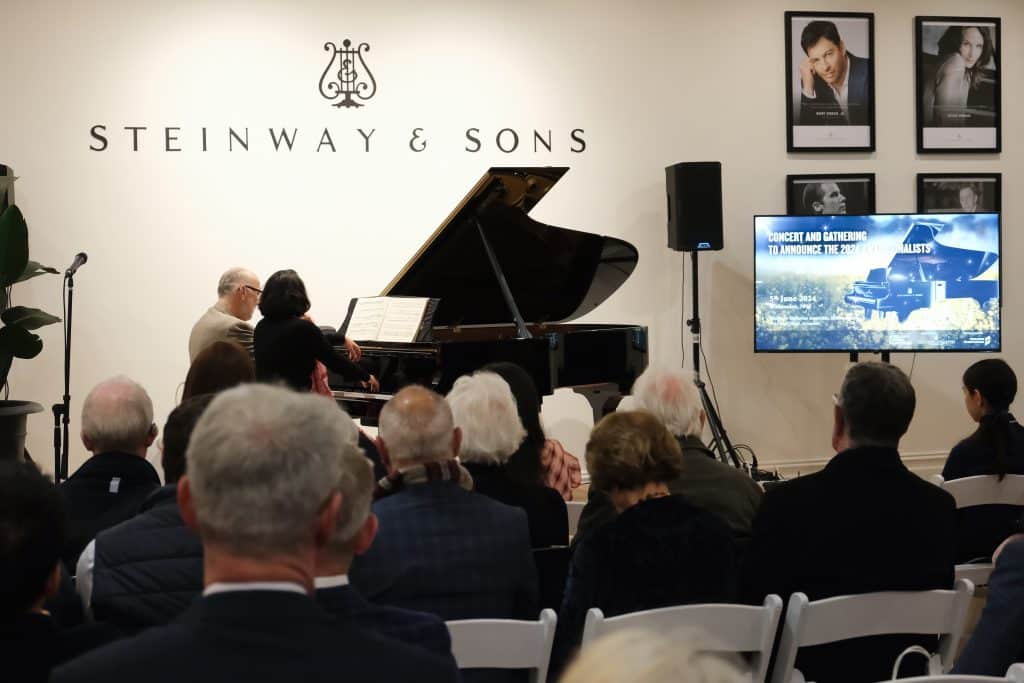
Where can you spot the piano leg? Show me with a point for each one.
(603, 398)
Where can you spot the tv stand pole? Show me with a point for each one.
(855, 356)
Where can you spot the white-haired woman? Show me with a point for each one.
(485, 410)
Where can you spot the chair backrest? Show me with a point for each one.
(575, 509)
(985, 489)
(940, 612)
(505, 644)
(975, 572)
(730, 628)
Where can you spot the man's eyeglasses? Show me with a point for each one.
(255, 289)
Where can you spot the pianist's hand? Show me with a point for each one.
(354, 352)
(372, 384)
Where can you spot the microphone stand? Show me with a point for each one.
(62, 411)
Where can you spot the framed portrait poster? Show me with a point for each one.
(958, 84)
(830, 194)
(830, 82)
(959, 192)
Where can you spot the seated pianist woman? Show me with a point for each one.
(287, 345)
(996, 447)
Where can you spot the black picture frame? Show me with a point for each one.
(943, 192)
(856, 190)
(809, 126)
(973, 99)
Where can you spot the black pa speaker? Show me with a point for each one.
(694, 205)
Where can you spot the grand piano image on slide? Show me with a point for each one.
(507, 286)
(924, 272)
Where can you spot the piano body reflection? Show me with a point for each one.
(508, 285)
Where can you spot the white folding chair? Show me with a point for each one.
(938, 612)
(730, 628)
(1015, 674)
(505, 644)
(984, 489)
(575, 509)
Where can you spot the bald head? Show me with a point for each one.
(118, 416)
(671, 396)
(416, 426)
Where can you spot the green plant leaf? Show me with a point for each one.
(13, 245)
(34, 269)
(19, 342)
(29, 318)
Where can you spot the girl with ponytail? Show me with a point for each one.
(996, 447)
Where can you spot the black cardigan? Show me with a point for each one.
(288, 348)
(982, 528)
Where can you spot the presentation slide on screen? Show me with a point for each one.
(883, 282)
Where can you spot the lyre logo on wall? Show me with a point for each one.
(353, 78)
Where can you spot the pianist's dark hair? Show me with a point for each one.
(284, 296)
(524, 464)
(997, 383)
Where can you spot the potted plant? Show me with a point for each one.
(17, 339)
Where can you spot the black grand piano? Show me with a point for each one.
(507, 286)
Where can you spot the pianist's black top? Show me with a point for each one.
(288, 348)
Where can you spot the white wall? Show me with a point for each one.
(651, 83)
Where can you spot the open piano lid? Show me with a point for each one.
(554, 274)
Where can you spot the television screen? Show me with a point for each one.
(887, 282)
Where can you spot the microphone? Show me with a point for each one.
(79, 261)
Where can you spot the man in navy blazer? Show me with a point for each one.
(835, 84)
(998, 639)
(863, 524)
(441, 547)
(262, 492)
(353, 536)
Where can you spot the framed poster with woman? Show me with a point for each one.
(959, 192)
(958, 84)
(830, 82)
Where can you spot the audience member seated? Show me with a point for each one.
(32, 533)
(660, 550)
(672, 397)
(996, 447)
(998, 638)
(287, 344)
(261, 491)
(484, 409)
(117, 428)
(441, 548)
(219, 366)
(865, 523)
(147, 570)
(238, 292)
(642, 656)
(353, 536)
(538, 458)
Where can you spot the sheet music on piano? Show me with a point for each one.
(401, 319)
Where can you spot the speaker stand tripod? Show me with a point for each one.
(720, 443)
